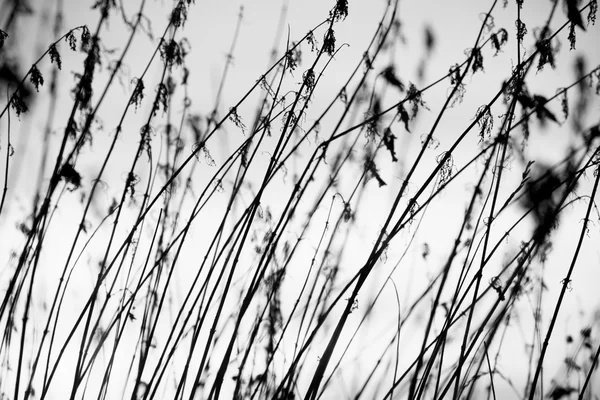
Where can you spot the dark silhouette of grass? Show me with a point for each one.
(279, 249)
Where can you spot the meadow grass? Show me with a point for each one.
(377, 238)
